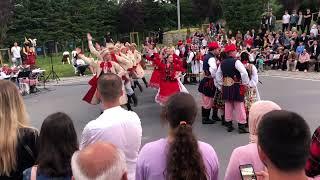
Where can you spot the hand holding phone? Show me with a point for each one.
(247, 172)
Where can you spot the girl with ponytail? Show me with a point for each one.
(180, 156)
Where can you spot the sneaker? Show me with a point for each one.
(305, 71)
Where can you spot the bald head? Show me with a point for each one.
(99, 161)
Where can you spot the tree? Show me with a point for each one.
(242, 14)
(208, 9)
(6, 7)
(131, 16)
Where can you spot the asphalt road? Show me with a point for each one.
(302, 96)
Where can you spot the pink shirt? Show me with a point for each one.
(304, 57)
(242, 155)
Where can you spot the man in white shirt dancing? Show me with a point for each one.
(115, 125)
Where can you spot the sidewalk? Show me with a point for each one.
(292, 75)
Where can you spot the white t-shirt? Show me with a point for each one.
(204, 43)
(16, 52)
(120, 127)
(286, 19)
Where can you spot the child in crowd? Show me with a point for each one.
(260, 63)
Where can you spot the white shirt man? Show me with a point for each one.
(115, 125)
(196, 65)
(119, 127)
(286, 18)
(15, 50)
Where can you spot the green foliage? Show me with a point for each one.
(242, 14)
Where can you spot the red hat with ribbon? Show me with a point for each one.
(230, 47)
(213, 45)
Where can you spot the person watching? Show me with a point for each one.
(99, 161)
(283, 145)
(18, 140)
(57, 143)
(180, 155)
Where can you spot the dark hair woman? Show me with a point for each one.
(57, 143)
(180, 156)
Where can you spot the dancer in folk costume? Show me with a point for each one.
(169, 79)
(138, 72)
(122, 62)
(206, 86)
(154, 81)
(233, 80)
(252, 93)
(105, 65)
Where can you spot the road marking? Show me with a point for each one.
(287, 77)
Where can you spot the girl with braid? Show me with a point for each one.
(180, 156)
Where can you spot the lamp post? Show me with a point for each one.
(178, 11)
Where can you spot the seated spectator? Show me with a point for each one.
(99, 161)
(315, 52)
(314, 30)
(57, 142)
(283, 145)
(313, 163)
(81, 66)
(18, 140)
(292, 61)
(284, 59)
(300, 48)
(180, 155)
(115, 125)
(66, 57)
(248, 154)
(303, 63)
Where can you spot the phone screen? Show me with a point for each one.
(247, 172)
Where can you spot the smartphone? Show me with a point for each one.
(247, 172)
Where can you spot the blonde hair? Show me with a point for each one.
(13, 116)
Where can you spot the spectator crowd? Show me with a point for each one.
(280, 144)
(293, 48)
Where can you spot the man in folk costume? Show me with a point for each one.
(232, 78)
(138, 72)
(127, 64)
(207, 87)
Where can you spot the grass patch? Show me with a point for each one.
(62, 70)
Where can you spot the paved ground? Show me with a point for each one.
(292, 93)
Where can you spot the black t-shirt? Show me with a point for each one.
(27, 152)
(308, 20)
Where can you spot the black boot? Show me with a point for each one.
(135, 99)
(129, 107)
(242, 128)
(223, 120)
(205, 116)
(145, 82)
(230, 127)
(215, 114)
(129, 99)
(185, 80)
(136, 83)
